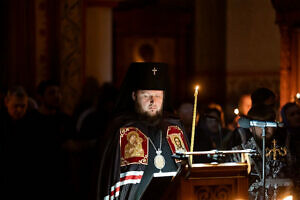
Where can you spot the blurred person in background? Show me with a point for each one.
(290, 114)
(16, 146)
(278, 170)
(244, 106)
(245, 103)
(53, 131)
(185, 112)
(220, 109)
(263, 96)
(209, 133)
(91, 127)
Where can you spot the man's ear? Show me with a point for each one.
(133, 95)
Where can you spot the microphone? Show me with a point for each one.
(247, 123)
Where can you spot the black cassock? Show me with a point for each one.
(127, 161)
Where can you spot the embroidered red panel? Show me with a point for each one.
(176, 139)
(133, 146)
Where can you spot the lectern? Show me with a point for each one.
(225, 181)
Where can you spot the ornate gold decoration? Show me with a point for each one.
(282, 151)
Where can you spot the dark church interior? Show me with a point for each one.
(65, 60)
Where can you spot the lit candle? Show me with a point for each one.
(194, 123)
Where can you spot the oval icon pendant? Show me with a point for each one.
(159, 161)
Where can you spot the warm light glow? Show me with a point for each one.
(298, 95)
(290, 197)
(197, 87)
(236, 111)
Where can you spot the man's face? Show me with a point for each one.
(16, 106)
(257, 131)
(293, 116)
(245, 105)
(212, 121)
(212, 124)
(52, 97)
(150, 102)
(270, 101)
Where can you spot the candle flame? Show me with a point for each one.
(290, 197)
(197, 87)
(298, 95)
(236, 111)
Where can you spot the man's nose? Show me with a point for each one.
(19, 109)
(151, 99)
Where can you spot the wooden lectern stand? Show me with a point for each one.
(226, 181)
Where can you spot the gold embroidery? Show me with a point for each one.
(134, 146)
(124, 130)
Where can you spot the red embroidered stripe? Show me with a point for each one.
(130, 177)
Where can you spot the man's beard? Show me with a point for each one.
(143, 115)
